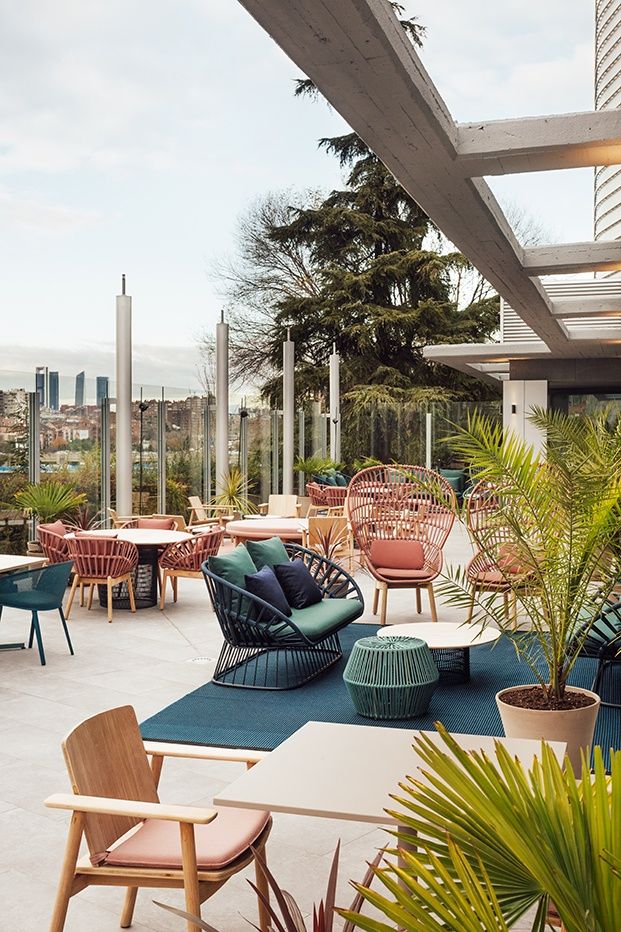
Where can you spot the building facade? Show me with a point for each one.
(80, 390)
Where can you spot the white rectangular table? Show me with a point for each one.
(9, 563)
(346, 771)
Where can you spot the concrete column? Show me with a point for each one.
(222, 404)
(105, 496)
(301, 449)
(288, 414)
(124, 402)
(335, 406)
(519, 396)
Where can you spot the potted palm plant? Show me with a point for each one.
(48, 501)
(563, 520)
(234, 493)
(479, 868)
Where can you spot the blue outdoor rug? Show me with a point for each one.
(261, 720)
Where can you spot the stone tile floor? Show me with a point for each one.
(148, 660)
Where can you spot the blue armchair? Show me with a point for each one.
(37, 591)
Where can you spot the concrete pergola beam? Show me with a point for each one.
(571, 258)
(595, 306)
(534, 144)
(358, 55)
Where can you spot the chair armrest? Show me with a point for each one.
(194, 815)
(162, 749)
(263, 508)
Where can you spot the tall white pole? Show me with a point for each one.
(124, 402)
(288, 413)
(222, 404)
(335, 406)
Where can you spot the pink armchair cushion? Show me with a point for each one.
(397, 554)
(56, 527)
(510, 561)
(156, 524)
(389, 573)
(157, 844)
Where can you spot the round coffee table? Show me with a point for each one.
(262, 528)
(449, 644)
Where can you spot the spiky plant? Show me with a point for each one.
(562, 515)
(234, 492)
(50, 500)
(498, 841)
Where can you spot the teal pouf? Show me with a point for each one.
(393, 677)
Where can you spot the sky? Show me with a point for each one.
(132, 143)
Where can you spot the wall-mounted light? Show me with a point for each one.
(513, 409)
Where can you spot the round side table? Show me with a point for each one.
(390, 677)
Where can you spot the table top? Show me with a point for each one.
(142, 537)
(437, 634)
(347, 771)
(10, 563)
(266, 526)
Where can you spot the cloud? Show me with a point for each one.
(36, 215)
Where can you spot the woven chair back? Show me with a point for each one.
(191, 554)
(316, 493)
(55, 547)
(100, 557)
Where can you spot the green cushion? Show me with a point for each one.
(234, 566)
(267, 552)
(329, 480)
(326, 616)
(340, 479)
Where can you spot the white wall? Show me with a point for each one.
(524, 395)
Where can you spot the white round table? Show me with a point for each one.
(145, 577)
(263, 527)
(450, 644)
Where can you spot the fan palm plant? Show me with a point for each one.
(478, 868)
(50, 500)
(233, 492)
(563, 520)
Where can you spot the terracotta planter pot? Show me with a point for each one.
(573, 726)
(34, 547)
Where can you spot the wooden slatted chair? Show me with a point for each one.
(133, 839)
(201, 514)
(401, 517)
(281, 506)
(331, 537)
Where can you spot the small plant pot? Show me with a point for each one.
(34, 547)
(573, 726)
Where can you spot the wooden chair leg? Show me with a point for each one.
(130, 592)
(91, 590)
(74, 586)
(506, 606)
(81, 595)
(109, 590)
(190, 874)
(129, 904)
(384, 604)
(264, 889)
(432, 602)
(471, 603)
(175, 583)
(375, 599)
(163, 589)
(67, 874)
(419, 606)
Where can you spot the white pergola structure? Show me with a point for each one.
(360, 58)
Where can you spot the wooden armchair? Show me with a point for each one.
(281, 506)
(133, 839)
(201, 514)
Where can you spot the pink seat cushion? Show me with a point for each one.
(397, 554)
(156, 524)
(510, 561)
(490, 578)
(56, 527)
(157, 844)
(389, 572)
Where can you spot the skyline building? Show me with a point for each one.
(40, 384)
(53, 398)
(607, 202)
(102, 389)
(79, 389)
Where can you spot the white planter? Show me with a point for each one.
(573, 726)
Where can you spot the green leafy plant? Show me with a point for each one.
(563, 520)
(316, 465)
(287, 915)
(234, 494)
(499, 841)
(50, 500)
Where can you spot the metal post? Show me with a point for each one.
(317, 419)
(207, 452)
(275, 452)
(142, 407)
(161, 455)
(124, 402)
(222, 404)
(428, 438)
(34, 450)
(324, 435)
(288, 413)
(105, 490)
(335, 406)
(301, 446)
(243, 445)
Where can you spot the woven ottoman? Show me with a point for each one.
(391, 677)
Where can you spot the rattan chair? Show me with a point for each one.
(186, 558)
(401, 517)
(102, 561)
(53, 543)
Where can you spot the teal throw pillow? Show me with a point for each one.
(233, 566)
(267, 552)
(340, 479)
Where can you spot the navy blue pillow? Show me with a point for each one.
(298, 585)
(266, 586)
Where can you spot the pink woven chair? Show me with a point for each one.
(152, 524)
(499, 569)
(186, 558)
(401, 517)
(102, 561)
(52, 540)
